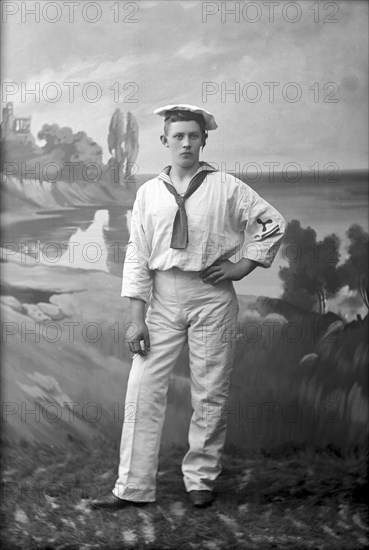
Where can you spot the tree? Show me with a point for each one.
(74, 147)
(312, 275)
(354, 272)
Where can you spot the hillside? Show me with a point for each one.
(33, 196)
(64, 343)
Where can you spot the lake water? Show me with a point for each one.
(82, 231)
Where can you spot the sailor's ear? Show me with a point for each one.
(204, 138)
(164, 140)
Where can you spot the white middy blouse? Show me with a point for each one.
(225, 217)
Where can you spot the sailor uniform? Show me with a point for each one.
(172, 240)
(222, 218)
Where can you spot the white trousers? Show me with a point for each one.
(182, 309)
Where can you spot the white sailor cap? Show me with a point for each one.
(210, 123)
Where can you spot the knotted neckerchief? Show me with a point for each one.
(180, 225)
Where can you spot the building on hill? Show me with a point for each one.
(16, 129)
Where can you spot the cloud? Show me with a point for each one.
(169, 53)
(194, 49)
(189, 5)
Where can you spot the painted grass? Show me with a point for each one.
(299, 386)
(295, 501)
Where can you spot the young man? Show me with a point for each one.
(186, 224)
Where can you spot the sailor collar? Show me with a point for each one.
(204, 167)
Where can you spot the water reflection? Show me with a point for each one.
(87, 248)
(83, 238)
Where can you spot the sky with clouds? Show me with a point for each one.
(169, 51)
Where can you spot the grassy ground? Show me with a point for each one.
(294, 500)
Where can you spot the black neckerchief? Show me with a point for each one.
(180, 225)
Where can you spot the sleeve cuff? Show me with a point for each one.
(261, 253)
(138, 295)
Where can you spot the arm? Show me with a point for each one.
(137, 280)
(137, 309)
(137, 328)
(137, 283)
(264, 225)
(225, 269)
(243, 268)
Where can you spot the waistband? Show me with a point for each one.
(177, 271)
(189, 280)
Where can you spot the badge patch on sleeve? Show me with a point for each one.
(268, 228)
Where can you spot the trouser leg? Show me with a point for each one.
(211, 340)
(147, 397)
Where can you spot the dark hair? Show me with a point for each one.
(180, 116)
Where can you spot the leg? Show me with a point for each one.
(146, 398)
(211, 341)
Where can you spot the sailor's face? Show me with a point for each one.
(184, 140)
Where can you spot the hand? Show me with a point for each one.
(136, 332)
(220, 271)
